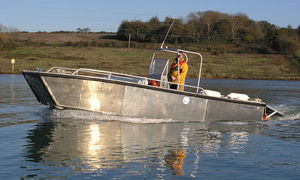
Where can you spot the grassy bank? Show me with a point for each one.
(137, 61)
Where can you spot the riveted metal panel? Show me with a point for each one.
(101, 96)
(66, 92)
(221, 110)
(146, 103)
(86, 94)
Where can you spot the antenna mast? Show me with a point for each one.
(162, 44)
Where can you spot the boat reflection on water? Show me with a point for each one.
(95, 146)
(162, 148)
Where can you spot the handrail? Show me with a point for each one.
(122, 76)
(175, 50)
(64, 68)
(109, 72)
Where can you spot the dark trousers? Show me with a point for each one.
(173, 86)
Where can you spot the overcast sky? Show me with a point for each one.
(107, 15)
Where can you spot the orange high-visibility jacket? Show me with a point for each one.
(183, 69)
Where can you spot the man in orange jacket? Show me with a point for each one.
(183, 69)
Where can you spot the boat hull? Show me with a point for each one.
(127, 99)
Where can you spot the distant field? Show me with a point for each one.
(56, 37)
(113, 59)
(53, 52)
(137, 61)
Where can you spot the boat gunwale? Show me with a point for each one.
(191, 94)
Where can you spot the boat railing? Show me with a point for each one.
(132, 78)
(62, 70)
(175, 50)
(106, 73)
(118, 76)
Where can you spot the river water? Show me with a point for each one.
(38, 143)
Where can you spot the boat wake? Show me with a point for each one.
(290, 113)
(92, 116)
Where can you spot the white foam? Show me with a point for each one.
(89, 115)
(235, 122)
(290, 117)
(289, 112)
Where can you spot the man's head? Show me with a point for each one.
(180, 56)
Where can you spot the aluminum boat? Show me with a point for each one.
(143, 97)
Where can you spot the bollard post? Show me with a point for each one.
(13, 61)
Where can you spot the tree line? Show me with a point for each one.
(208, 29)
(211, 27)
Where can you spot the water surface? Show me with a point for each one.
(38, 143)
